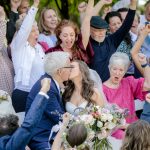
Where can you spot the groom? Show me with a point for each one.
(57, 68)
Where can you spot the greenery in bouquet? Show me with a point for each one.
(100, 123)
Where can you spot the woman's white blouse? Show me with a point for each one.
(28, 61)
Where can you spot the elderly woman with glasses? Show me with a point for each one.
(122, 91)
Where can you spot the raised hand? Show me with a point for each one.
(133, 4)
(82, 7)
(45, 83)
(15, 4)
(89, 7)
(142, 58)
(66, 118)
(148, 97)
(145, 30)
(36, 3)
(2, 13)
(107, 2)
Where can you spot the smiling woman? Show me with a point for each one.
(48, 21)
(69, 38)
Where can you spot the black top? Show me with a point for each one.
(103, 51)
(11, 25)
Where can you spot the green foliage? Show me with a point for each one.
(66, 8)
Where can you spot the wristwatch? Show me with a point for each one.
(144, 65)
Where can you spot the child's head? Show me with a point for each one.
(137, 136)
(76, 135)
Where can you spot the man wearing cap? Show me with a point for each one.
(100, 47)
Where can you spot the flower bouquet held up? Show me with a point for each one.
(100, 123)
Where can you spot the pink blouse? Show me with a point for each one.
(129, 89)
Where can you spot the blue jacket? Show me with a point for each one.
(146, 112)
(21, 137)
(50, 117)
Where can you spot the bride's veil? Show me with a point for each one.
(97, 83)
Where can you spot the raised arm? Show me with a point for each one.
(137, 46)
(22, 35)
(2, 27)
(57, 144)
(146, 71)
(99, 6)
(33, 117)
(90, 11)
(85, 26)
(119, 35)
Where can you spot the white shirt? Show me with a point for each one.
(57, 85)
(28, 61)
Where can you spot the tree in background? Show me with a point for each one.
(66, 8)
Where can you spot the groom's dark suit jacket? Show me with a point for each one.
(50, 117)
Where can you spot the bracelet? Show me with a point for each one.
(144, 65)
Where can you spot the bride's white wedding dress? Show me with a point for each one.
(75, 110)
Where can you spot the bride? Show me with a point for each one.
(82, 88)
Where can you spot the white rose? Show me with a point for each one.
(103, 117)
(99, 135)
(89, 119)
(92, 122)
(109, 117)
(99, 124)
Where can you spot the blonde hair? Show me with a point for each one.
(42, 27)
(137, 136)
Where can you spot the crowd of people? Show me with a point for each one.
(51, 69)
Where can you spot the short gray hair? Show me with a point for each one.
(121, 57)
(55, 61)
